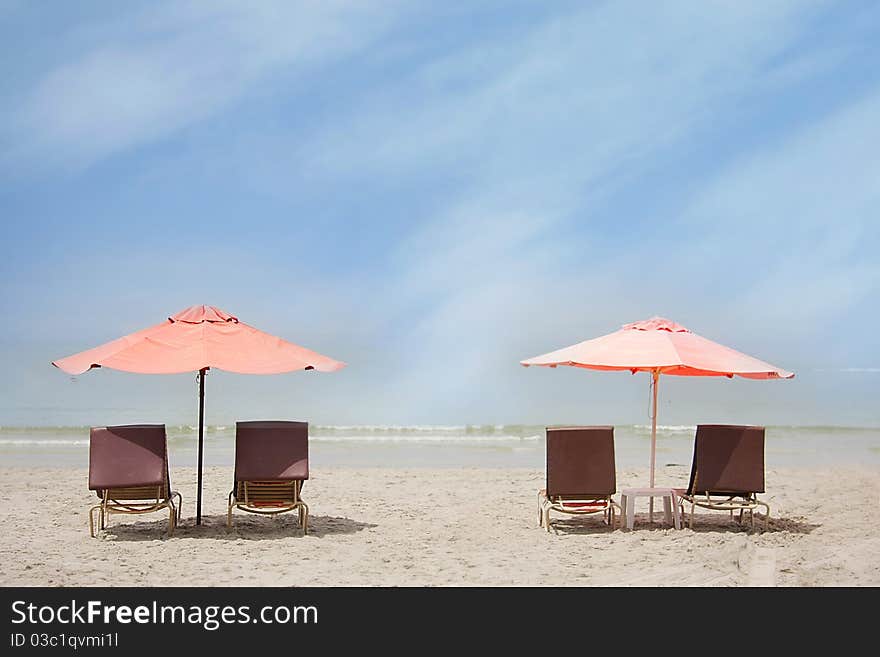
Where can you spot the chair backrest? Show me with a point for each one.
(267, 450)
(580, 462)
(728, 459)
(127, 456)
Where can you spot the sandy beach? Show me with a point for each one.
(440, 527)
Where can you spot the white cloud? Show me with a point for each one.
(854, 370)
(143, 77)
(794, 224)
(572, 100)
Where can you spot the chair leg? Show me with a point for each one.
(171, 515)
(179, 506)
(229, 512)
(92, 531)
(304, 518)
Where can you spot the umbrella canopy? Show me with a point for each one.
(659, 346)
(197, 339)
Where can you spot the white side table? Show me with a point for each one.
(628, 502)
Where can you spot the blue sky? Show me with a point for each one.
(434, 191)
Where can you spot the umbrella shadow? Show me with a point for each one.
(245, 528)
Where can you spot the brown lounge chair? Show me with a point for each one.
(580, 473)
(271, 464)
(128, 469)
(727, 471)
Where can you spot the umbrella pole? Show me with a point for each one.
(201, 442)
(656, 379)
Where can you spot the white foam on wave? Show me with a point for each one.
(667, 428)
(399, 438)
(402, 428)
(42, 442)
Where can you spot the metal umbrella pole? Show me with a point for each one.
(201, 442)
(655, 379)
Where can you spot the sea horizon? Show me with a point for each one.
(460, 445)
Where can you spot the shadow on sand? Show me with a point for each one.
(586, 526)
(247, 528)
(703, 523)
(720, 522)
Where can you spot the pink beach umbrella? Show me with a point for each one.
(197, 339)
(659, 346)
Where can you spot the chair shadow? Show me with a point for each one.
(578, 526)
(703, 523)
(244, 527)
(722, 522)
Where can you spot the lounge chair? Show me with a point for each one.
(128, 469)
(580, 473)
(727, 471)
(271, 464)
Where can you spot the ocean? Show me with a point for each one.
(487, 445)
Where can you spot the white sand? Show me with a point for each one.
(446, 527)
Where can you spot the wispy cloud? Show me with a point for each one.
(143, 77)
(795, 220)
(854, 370)
(579, 93)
